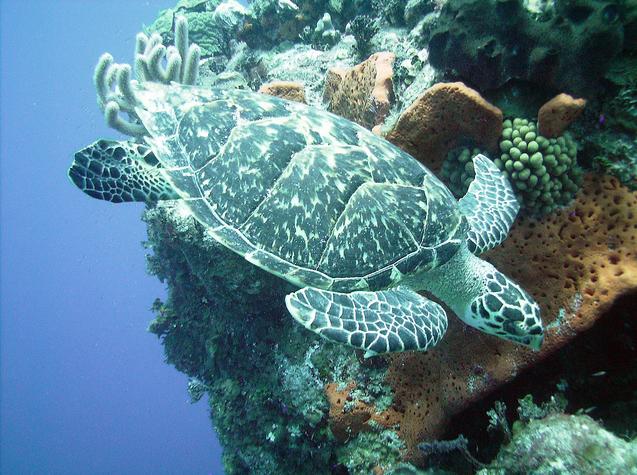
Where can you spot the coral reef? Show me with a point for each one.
(441, 118)
(352, 412)
(225, 324)
(623, 108)
(204, 337)
(577, 263)
(614, 153)
(213, 24)
(564, 444)
(272, 21)
(371, 452)
(489, 42)
(363, 28)
(324, 35)
(415, 10)
(364, 93)
(303, 64)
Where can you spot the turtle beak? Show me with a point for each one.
(536, 342)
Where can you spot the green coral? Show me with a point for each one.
(370, 449)
(212, 24)
(543, 171)
(623, 108)
(457, 169)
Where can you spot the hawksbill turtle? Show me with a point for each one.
(358, 224)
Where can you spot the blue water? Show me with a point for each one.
(84, 386)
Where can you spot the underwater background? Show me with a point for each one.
(546, 89)
(84, 387)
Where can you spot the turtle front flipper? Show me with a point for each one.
(490, 206)
(386, 321)
(120, 171)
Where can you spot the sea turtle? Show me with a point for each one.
(325, 204)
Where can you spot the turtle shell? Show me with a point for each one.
(300, 192)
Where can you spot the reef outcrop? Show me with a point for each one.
(565, 444)
(577, 264)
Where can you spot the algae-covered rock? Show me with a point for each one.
(564, 444)
(613, 152)
(369, 450)
(488, 42)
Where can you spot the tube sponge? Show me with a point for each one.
(153, 63)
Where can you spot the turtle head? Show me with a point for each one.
(502, 308)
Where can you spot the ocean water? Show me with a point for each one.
(84, 388)
(106, 341)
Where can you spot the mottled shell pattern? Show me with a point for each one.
(300, 192)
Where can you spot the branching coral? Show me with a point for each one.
(438, 448)
(498, 421)
(528, 410)
(153, 63)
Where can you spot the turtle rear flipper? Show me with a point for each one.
(398, 319)
(120, 171)
(490, 206)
